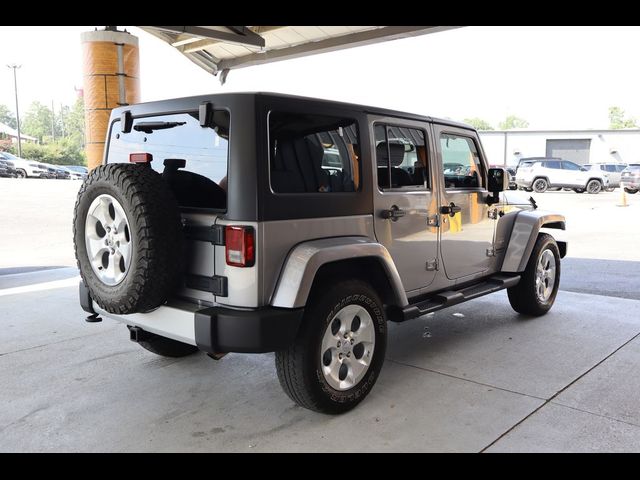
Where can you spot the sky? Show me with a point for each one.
(554, 77)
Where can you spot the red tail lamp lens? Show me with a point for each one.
(240, 246)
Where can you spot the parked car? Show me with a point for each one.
(57, 172)
(78, 172)
(25, 168)
(7, 168)
(540, 175)
(291, 258)
(630, 178)
(612, 169)
(73, 175)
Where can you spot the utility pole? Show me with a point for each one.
(15, 86)
(53, 121)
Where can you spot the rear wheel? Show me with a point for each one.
(630, 190)
(540, 185)
(536, 292)
(594, 186)
(339, 351)
(578, 190)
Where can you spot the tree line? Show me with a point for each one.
(60, 134)
(617, 120)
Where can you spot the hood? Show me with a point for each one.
(515, 198)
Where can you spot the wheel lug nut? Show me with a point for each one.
(339, 344)
(346, 335)
(352, 341)
(340, 356)
(348, 354)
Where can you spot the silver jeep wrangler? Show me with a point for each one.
(259, 222)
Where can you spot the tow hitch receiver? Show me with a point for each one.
(136, 334)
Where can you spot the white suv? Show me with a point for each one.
(25, 168)
(541, 174)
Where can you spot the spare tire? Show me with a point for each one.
(127, 237)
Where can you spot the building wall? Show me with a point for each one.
(606, 145)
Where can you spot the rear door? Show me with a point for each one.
(404, 201)
(193, 161)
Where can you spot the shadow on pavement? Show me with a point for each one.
(611, 278)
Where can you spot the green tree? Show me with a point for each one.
(617, 119)
(7, 117)
(73, 119)
(38, 122)
(512, 122)
(478, 123)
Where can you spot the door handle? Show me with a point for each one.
(450, 209)
(394, 213)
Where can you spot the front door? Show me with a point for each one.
(405, 206)
(467, 231)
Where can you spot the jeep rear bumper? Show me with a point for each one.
(213, 329)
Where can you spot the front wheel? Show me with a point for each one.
(338, 354)
(594, 186)
(21, 173)
(536, 292)
(630, 190)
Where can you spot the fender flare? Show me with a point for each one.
(523, 237)
(305, 259)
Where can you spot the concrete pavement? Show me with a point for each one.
(475, 377)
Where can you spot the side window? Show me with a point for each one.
(461, 163)
(552, 164)
(570, 166)
(313, 153)
(401, 157)
(620, 168)
(610, 168)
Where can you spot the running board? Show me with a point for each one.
(449, 298)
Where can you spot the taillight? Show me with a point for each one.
(140, 157)
(240, 246)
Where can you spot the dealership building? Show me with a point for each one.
(506, 147)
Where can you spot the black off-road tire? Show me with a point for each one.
(299, 367)
(166, 347)
(156, 235)
(522, 297)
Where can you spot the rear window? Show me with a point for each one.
(191, 158)
(312, 153)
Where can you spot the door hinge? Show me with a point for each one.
(491, 252)
(213, 234)
(432, 220)
(493, 213)
(432, 265)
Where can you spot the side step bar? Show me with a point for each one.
(453, 297)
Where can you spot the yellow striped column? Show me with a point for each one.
(111, 73)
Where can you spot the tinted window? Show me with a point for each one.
(620, 168)
(191, 158)
(460, 162)
(313, 153)
(552, 164)
(401, 157)
(570, 166)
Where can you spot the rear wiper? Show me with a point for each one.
(149, 127)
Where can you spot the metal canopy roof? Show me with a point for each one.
(222, 48)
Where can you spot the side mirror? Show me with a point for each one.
(498, 182)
